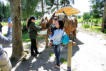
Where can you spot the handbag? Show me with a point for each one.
(65, 39)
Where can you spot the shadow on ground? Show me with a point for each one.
(42, 62)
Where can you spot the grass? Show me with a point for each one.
(86, 26)
(94, 28)
(52, 54)
(4, 23)
(26, 38)
(62, 60)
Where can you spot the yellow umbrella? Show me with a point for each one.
(68, 11)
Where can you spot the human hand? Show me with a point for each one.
(50, 43)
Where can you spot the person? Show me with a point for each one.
(56, 40)
(5, 64)
(9, 28)
(1, 27)
(32, 30)
(53, 26)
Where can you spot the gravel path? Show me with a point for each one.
(89, 55)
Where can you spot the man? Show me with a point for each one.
(5, 64)
(9, 24)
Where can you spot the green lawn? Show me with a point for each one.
(62, 60)
(4, 23)
(93, 28)
(96, 28)
(26, 38)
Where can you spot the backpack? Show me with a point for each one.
(65, 39)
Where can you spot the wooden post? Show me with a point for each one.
(46, 39)
(69, 56)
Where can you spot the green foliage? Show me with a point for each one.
(62, 60)
(25, 37)
(97, 21)
(50, 2)
(65, 2)
(52, 54)
(4, 11)
(24, 29)
(38, 14)
(96, 28)
(86, 26)
(97, 8)
(4, 23)
(80, 20)
(28, 8)
(86, 17)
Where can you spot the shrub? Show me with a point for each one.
(80, 20)
(24, 29)
(86, 26)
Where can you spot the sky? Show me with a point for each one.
(5, 1)
(82, 6)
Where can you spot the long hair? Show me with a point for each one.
(61, 24)
(29, 21)
(1, 27)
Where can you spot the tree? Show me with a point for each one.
(57, 4)
(104, 18)
(42, 3)
(97, 8)
(28, 8)
(65, 2)
(17, 51)
(86, 17)
(4, 11)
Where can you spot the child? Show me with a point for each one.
(32, 30)
(56, 41)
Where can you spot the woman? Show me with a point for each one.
(1, 27)
(32, 30)
(56, 41)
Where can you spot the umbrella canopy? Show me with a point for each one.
(68, 11)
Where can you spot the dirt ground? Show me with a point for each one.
(89, 55)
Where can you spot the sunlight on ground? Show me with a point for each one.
(34, 60)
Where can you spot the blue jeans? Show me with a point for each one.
(57, 54)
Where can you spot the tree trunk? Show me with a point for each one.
(57, 4)
(42, 6)
(64, 3)
(104, 18)
(17, 51)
